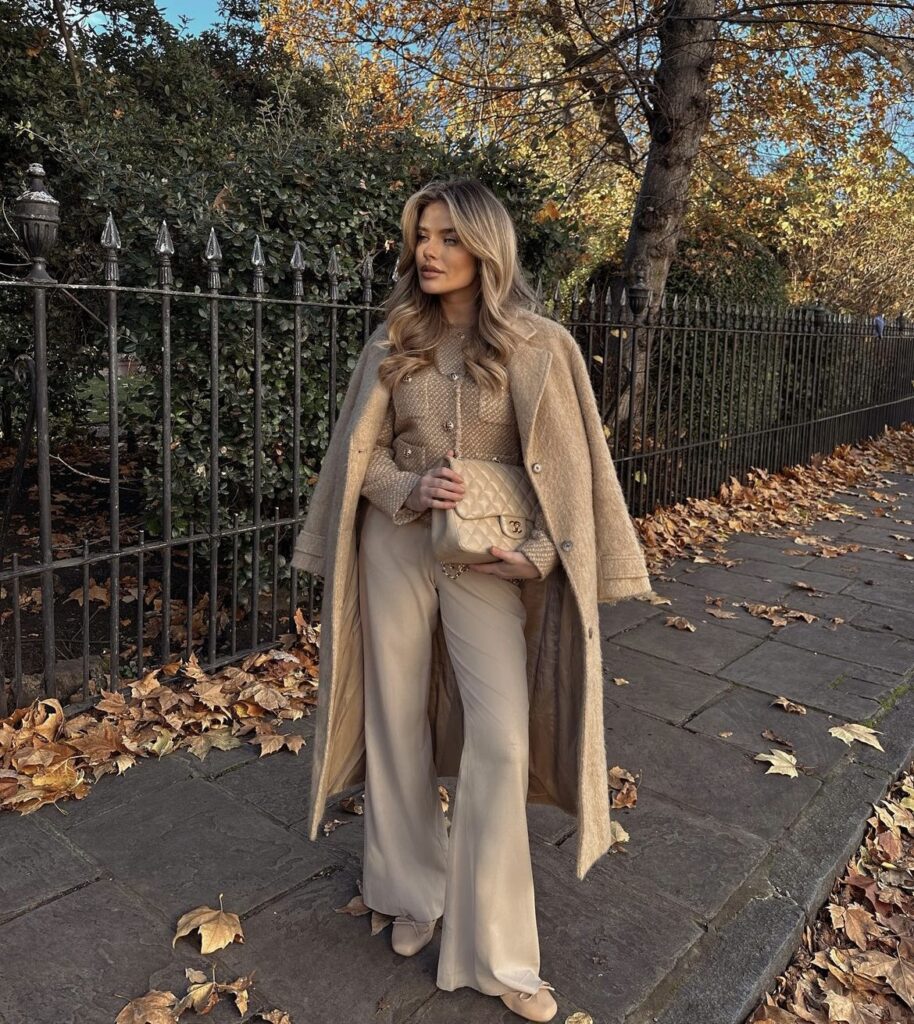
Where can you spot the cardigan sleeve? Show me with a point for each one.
(539, 548)
(385, 485)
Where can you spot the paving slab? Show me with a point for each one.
(737, 586)
(324, 966)
(860, 647)
(740, 716)
(37, 866)
(80, 958)
(128, 792)
(780, 550)
(882, 589)
(605, 962)
(689, 602)
(816, 680)
(190, 841)
(704, 774)
(679, 854)
(770, 572)
(278, 784)
(707, 649)
(671, 692)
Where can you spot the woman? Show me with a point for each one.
(490, 672)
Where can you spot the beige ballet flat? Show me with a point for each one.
(409, 936)
(532, 1005)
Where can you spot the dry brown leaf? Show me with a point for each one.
(789, 705)
(155, 1007)
(679, 622)
(217, 928)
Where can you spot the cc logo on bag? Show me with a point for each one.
(514, 525)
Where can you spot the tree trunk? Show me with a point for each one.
(678, 111)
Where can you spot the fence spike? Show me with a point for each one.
(111, 242)
(298, 261)
(111, 238)
(297, 264)
(333, 266)
(164, 244)
(592, 295)
(257, 259)
(213, 249)
(258, 263)
(165, 250)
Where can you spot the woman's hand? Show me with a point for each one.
(511, 565)
(440, 487)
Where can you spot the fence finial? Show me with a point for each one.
(36, 214)
(111, 243)
(333, 274)
(297, 263)
(213, 257)
(258, 263)
(165, 251)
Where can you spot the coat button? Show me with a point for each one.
(454, 376)
(536, 467)
(567, 545)
(409, 451)
(449, 425)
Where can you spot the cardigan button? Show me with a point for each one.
(449, 425)
(408, 451)
(567, 545)
(455, 376)
(536, 467)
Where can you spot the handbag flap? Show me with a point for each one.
(494, 489)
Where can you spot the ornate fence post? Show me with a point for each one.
(36, 214)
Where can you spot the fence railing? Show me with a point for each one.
(691, 395)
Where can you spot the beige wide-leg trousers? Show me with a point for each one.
(479, 877)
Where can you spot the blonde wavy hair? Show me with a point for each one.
(415, 321)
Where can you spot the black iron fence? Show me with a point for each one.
(691, 395)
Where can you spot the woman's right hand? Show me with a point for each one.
(440, 487)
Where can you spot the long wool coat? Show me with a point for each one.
(600, 561)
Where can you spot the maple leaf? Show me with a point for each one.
(852, 731)
(155, 1007)
(782, 763)
(217, 927)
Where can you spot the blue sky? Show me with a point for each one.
(202, 13)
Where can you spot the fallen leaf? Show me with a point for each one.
(217, 927)
(782, 763)
(852, 731)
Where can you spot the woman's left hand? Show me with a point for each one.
(511, 565)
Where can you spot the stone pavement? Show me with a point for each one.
(689, 923)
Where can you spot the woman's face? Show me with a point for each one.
(439, 248)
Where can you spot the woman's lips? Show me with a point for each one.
(431, 273)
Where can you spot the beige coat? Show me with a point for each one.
(601, 560)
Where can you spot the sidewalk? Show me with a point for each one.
(689, 922)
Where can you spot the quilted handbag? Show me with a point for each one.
(498, 508)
